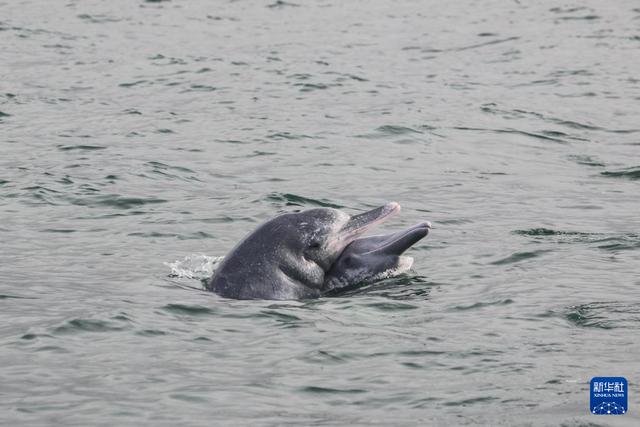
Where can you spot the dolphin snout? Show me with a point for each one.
(392, 244)
(398, 243)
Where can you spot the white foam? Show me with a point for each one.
(404, 264)
(196, 266)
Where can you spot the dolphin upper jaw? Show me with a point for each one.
(359, 224)
(353, 227)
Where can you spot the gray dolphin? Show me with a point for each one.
(288, 256)
(368, 259)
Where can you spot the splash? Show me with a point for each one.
(196, 266)
(404, 264)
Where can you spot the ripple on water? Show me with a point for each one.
(76, 326)
(132, 84)
(470, 401)
(619, 243)
(289, 199)
(323, 357)
(331, 390)
(97, 19)
(520, 256)
(632, 173)
(399, 288)
(277, 136)
(81, 147)
(586, 160)
(391, 306)
(544, 232)
(192, 398)
(309, 87)
(189, 310)
(396, 130)
(151, 333)
(41, 195)
(117, 201)
(613, 243)
(605, 315)
(32, 336)
(171, 172)
(387, 131)
(478, 305)
(539, 232)
(158, 235)
(59, 230)
(200, 88)
(6, 296)
(285, 320)
(453, 221)
(492, 108)
(545, 135)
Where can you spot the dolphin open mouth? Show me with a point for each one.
(366, 259)
(398, 243)
(360, 223)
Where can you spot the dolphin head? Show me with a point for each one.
(367, 259)
(324, 233)
(288, 256)
(312, 240)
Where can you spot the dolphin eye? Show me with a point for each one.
(314, 245)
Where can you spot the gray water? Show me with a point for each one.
(140, 140)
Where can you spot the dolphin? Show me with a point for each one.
(368, 259)
(288, 256)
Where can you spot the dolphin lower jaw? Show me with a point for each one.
(401, 265)
(334, 283)
(369, 259)
(398, 243)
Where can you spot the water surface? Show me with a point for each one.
(142, 139)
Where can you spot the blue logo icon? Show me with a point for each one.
(609, 395)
